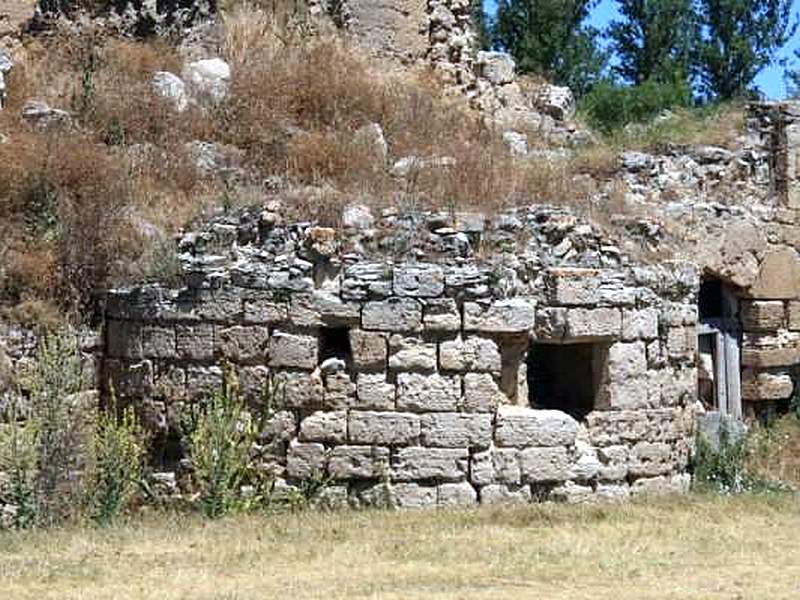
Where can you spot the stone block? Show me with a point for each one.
(626, 395)
(544, 464)
(441, 315)
(159, 342)
(457, 494)
(474, 354)
(305, 460)
(393, 314)
(648, 459)
(481, 393)
(374, 392)
(594, 323)
(456, 430)
(328, 427)
(369, 350)
(639, 324)
(358, 462)
(255, 385)
(779, 276)
(223, 305)
(613, 462)
(676, 314)
(627, 361)
(681, 343)
(763, 315)
(340, 391)
(411, 354)
(202, 381)
(419, 281)
(299, 390)
(573, 287)
(290, 350)
(427, 393)
(506, 464)
(496, 67)
(412, 495)
(585, 462)
(194, 342)
(441, 464)
(505, 494)
(242, 344)
(551, 323)
(124, 339)
(262, 309)
(481, 468)
(572, 493)
(661, 485)
(383, 428)
(608, 492)
(521, 427)
(280, 426)
(322, 308)
(766, 386)
(503, 316)
(793, 316)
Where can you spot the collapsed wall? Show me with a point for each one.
(550, 369)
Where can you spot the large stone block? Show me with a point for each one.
(764, 351)
(411, 354)
(766, 386)
(412, 495)
(441, 464)
(627, 395)
(572, 287)
(195, 342)
(159, 342)
(544, 464)
(280, 426)
(424, 393)
(648, 459)
(503, 316)
(681, 343)
(419, 281)
(473, 354)
(393, 314)
(290, 350)
(369, 350)
(328, 427)
(358, 462)
(299, 390)
(495, 465)
(305, 460)
(519, 426)
(340, 391)
(639, 324)
(627, 361)
(589, 323)
(242, 344)
(260, 308)
(661, 485)
(551, 323)
(613, 462)
(779, 276)
(457, 494)
(456, 430)
(763, 315)
(323, 308)
(441, 315)
(394, 28)
(374, 392)
(505, 494)
(383, 428)
(481, 393)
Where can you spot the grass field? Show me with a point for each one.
(694, 547)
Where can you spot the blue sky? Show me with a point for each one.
(770, 80)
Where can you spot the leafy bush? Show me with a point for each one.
(18, 450)
(118, 453)
(609, 106)
(219, 438)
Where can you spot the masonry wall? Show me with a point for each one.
(412, 380)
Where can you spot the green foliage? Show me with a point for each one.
(118, 453)
(56, 380)
(739, 39)
(550, 38)
(721, 467)
(609, 107)
(480, 21)
(18, 453)
(654, 40)
(219, 437)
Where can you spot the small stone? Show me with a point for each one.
(328, 427)
(423, 393)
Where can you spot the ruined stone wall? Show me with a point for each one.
(416, 378)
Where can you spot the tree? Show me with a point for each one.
(480, 21)
(792, 77)
(550, 38)
(654, 40)
(739, 39)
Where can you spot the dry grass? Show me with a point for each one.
(695, 547)
(774, 451)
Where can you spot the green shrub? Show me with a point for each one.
(18, 450)
(219, 437)
(720, 467)
(118, 453)
(609, 106)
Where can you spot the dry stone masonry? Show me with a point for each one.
(563, 373)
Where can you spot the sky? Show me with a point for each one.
(770, 80)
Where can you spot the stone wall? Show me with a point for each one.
(414, 378)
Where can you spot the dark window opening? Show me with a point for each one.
(335, 343)
(710, 299)
(566, 377)
(167, 450)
